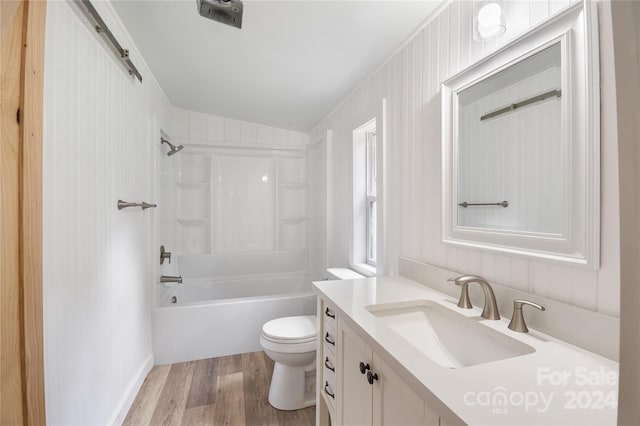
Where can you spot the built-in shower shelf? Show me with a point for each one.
(193, 221)
(293, 185)
(191, 185)
(293, 218)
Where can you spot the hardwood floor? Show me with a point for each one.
(230, 390)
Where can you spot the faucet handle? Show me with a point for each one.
(164, 255)
(464, 301)
(517, 319)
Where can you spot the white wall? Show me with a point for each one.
(410, 82)
(316, 210)
(98, 262)
(199, 128)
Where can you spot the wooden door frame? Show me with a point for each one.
(29, 188)
(31, 204)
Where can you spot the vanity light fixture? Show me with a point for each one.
(489, 20)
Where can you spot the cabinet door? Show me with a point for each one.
(354, 403)
(394, 403)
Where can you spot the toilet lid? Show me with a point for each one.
(291, 328)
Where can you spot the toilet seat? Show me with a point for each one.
(291, 330)
(290, 334)
(288, 341)
(287, 347)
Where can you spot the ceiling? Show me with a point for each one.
(289, 65)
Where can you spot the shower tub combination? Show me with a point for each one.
(217, 317)
(236, 219)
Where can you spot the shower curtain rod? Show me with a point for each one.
(101, 27)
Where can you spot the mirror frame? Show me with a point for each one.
(579, 243)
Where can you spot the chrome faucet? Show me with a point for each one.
(490, 310)
(170, 279)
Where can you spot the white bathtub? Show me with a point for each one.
(214, 318)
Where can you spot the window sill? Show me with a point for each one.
(364, 269)
(343, 274)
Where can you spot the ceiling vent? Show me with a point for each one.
(225, 11)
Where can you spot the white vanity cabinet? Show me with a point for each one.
(381, 377)
(346, 396)
(371, 393)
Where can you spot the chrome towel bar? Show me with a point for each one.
(465, 204)
(525, 102)
(126, 204)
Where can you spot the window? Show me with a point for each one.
(365, 203)
(371, 197)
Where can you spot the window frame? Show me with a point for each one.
(366, 208)
(371, 201)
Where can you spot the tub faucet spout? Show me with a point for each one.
(170, 279)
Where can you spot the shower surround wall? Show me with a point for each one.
(232, 211)
(410, 81)
(99, 127)
(237, 187)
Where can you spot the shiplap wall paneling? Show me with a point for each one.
(197, 128)
(410, 81)
(97, 265)
(316, 209)
(512, 158)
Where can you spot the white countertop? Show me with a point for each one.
(558, 384)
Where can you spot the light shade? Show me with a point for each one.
(489, 20)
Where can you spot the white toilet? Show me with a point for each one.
(291, 343)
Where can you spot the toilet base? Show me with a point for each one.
(292, 388)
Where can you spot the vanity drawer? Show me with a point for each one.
(329, 339)
(329, 393)
(328, 388)
(329, 367)
(329, 331)
(329, 318)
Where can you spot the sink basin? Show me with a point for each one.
(446, 337)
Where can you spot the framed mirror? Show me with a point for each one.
(521, 145)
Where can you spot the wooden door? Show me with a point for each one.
(21, 80)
